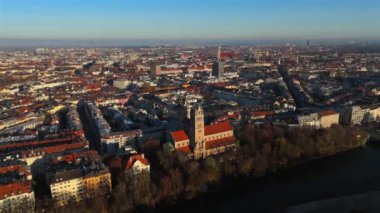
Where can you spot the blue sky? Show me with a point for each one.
(190, 19)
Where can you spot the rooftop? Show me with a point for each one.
(132, 160)
(218, 128)
(15, 189)
(328, 113)
(179, 135)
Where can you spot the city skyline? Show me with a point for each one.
(189, 106)
(187, 20)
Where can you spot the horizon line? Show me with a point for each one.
(129, 42)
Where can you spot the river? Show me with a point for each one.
(349, 173)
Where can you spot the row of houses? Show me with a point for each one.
(355, 115)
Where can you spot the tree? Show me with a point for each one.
(247, 166)
(262, 165)
(171, 185)
(122, 201)
(194, 179)
(212, 170)
(140, 186)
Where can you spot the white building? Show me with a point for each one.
(121, 83)
(112, 142)
(137, 164)
(311, 120)
(17, 197)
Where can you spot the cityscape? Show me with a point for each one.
(212, 125)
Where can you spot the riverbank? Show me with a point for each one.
(235, 187)
(264, 153)
(347, 173)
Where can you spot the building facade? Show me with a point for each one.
(311, 120)
(328, 118)
(218, 66)
(72, 186)
(136, 164)
(114, 141)
(218, 69)
(155, 69)
(17, 197)
(77, 176)
(16, 191)
(356, 115)
(121, 83)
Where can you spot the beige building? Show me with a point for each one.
(16, 194)
(73, 185)
(328, 118)
(374, 114)
(17, 197)
(121, 83)
(357, 115)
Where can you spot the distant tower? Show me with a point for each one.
(219, 56)
(258, 55)
(197, 132)
(218, 66)
(307, 43)
(155, 69)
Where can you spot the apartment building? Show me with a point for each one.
(16, 191)
(77, 176)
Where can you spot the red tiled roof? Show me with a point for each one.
(134, 158)
(15, 188)
(220, 142)
(327, 113)
(55, 149)
(185, 149)
(93, 86)
(225, 117)
(22, 145)
(235, 115)
(13, 168)
(179, 135)
(228, 54)
(178, 69)
(218, 128)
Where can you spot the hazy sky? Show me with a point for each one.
(189, 19)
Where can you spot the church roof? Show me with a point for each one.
(218, 128)
(179, 135)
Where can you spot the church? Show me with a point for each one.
(204, 140)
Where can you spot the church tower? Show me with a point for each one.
(197, 132)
